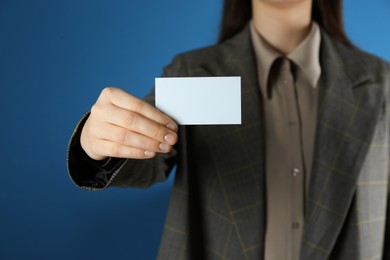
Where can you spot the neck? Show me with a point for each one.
(282, 25)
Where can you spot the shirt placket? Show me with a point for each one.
(284, 170)
(294, 167)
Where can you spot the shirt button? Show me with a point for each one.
(295, 225)
(295, 172)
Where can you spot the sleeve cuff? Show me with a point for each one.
(83, 170)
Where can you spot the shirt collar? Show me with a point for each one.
(306, 56)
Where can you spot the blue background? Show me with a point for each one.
(55, 58)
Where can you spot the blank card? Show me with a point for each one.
(200, 100)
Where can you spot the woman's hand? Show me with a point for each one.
(123, 126)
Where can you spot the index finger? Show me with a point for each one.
(127, 101)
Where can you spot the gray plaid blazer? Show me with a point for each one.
(217, 207)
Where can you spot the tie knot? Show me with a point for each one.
(280, 66)
(282, 70)
(285, 66)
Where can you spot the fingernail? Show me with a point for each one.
(164, 147)
(171, 126)
(148, 153)
(169, 138)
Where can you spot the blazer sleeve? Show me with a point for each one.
(92, 175)
(386, 246)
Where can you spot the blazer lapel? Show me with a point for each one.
(348, 105)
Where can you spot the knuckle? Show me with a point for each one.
(114, 150)
(130, 119)
(95, 109)
(120, 136)
(150, 146)
(157, 133)
(107, 94)
(107, 91)
(99, 110)
(138, 106)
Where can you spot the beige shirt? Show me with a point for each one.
(288, 85)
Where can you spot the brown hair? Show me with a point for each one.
(327, 13)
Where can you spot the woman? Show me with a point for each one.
(305, 175)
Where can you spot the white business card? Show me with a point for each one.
(200, 100)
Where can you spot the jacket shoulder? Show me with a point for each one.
(361, 57)
(375, 62)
